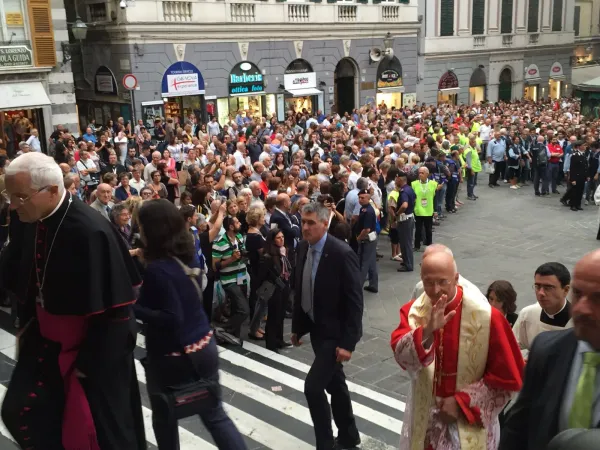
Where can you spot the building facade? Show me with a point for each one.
(36, 87)
(474, 50)
(264, 57)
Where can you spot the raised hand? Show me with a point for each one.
(438, 317)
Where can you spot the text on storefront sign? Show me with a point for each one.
(18, 55)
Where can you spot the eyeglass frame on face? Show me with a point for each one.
(441, 283)
(22, 201)
(546, 287)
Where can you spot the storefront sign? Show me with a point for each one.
(104, 81)
(16, 56)
(181, 79)
(556, 71)
(409, 100)
(246, 78)
(389, 73)
(448, 81)
(14, 19)
(532, 72)
(300, 81)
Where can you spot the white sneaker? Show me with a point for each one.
(514, 187)
(586, 203)
(506, 181)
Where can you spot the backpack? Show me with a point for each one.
(542, 156)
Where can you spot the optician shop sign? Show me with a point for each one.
(294, 81)
(182, 79)
(246, 78)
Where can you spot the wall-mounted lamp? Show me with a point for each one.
(79, 30)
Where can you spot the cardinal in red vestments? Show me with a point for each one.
(463, 359)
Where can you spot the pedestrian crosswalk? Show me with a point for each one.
(263, 393)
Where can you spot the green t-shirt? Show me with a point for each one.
(425, 193)
(223, 249)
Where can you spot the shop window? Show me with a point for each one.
(506, 20)
(13, 21)
(223, 110)
(533, 16)
(557, 13)
(478, 25)
(447, 18)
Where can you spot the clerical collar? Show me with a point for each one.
(560, 319)
(64, 194)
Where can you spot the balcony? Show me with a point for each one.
(478, 42)
(209, 15)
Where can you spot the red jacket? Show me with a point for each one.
(555, 148)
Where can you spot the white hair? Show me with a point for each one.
(42, 170)
(323, 167)
(245, 191)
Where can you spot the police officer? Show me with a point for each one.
(366, 236)
(577, 175)
(405, 221)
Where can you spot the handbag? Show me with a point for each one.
(196, 397)
(489, 168)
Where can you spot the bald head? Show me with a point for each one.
(439, 275)
(283, 202)
(585, 289)
(437, 261)
(436, 248)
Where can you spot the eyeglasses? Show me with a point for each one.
(546, 287)
(21, 201)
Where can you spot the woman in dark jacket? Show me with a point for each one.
(274, 275)
(179, 343)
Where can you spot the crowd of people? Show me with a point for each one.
(240, 217)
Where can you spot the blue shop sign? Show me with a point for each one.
(246, 79)
(181, 79)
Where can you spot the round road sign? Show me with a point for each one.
(130, 82)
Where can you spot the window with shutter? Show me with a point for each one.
(557, 13)
(447, 18)
(478, 23)
(506, 19)
(576, 20)
(42, 34)
(533, 16)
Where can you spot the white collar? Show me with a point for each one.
(552, 316)
(64, 194)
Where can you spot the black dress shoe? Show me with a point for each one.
(574, 209)
(274, 350)
(371, 289)
(342, 445)
(579, 208)
(564, 203)
(404, 269)
(253, 337)
(284, 344)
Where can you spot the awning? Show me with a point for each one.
(306, 92)
(450, 90)
(248, 94)
(533, 80)
(558, 77)
(23, 96)
(391, 89)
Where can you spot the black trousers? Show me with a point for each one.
(326, 374)
(420, 223)
(499, 172)
(275, 318)
(406, 230)
(577, 193)
(163, 371)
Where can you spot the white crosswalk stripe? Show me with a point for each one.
(272, 420)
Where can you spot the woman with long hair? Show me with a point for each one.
(503, 297)
(255, 243)
(274, 278)
(180, 347)
(170, 161)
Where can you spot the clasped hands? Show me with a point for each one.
(449, 410)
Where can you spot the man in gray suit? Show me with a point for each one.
(103, 203)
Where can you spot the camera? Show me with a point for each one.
(123, 4)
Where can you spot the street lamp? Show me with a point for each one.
(79, 30)
(388, 44)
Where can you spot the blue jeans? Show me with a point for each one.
(438, 200)
(471, 183)
(553, 169)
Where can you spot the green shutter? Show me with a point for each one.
(406, 2)
(331, 1)
(376, 2)
(447, 18)
(364, 2)
(316, 1)
(478, 25)
(557, 15)
(576, 20)
(506, 19)
(533, 16)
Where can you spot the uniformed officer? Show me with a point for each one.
(366, 236)
(577, 176)
(405, 221)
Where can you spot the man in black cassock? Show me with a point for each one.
(577, 176)
(74, 386)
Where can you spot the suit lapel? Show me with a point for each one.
(560, 363)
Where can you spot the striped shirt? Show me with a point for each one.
(223, 249)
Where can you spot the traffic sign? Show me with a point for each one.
(130, 82)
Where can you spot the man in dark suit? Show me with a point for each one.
(113, 166)
(562, 375)
(329, 306)
(281, 219)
